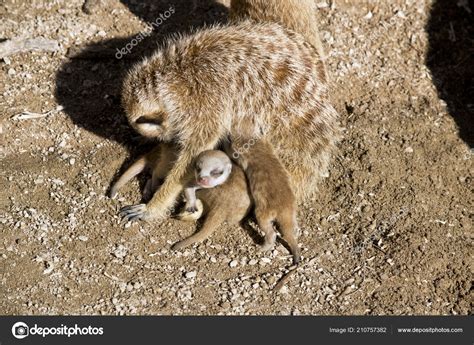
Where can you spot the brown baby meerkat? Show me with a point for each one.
(270, 184)
(219, 190)
(244, 81)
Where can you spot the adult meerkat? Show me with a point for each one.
(221, 187)
(297, 15)
(244, 81)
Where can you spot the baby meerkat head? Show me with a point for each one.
(143, 104)
(212, 168)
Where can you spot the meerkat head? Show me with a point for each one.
(212, 168)
(143, 104)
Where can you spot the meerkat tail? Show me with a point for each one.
(288, 228)
(137, 167)
(192, 216)
(212, 222)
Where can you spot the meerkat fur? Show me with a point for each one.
(297, 15)
(244, 81)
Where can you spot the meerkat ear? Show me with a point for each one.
(149, 125)
(149, 120)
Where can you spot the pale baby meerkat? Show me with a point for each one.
(212, 168)
(224, 195)
(223, 192)
(246, 81)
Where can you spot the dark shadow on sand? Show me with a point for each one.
(88, 84)
(451, 60)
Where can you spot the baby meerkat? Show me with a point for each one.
(223, 192)
(270, 184)
(246, 81)
(212, 168)
(222, 188)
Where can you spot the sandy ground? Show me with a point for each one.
(389, 233)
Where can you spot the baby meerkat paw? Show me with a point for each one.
(192, 213)
(191, 209)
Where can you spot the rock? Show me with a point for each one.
(225, 305)
(233, 263)
(264, 261)
(190, 275)
(90, 6)
(120, 251)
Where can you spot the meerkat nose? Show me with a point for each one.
(203, 180)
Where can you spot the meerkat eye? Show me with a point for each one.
(217, 172)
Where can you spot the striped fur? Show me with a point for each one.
(243, 81)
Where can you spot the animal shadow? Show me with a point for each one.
(88, 84)
(451, 60)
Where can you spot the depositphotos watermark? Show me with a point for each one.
(21, 330)
(145, 33)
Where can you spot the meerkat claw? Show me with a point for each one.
(133, 212)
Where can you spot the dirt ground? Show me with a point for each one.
(389, 233)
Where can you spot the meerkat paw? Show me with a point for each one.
(192, 213)
(134, 212)
(141, 212)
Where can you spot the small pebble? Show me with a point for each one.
(265, 260)
(233, 263)
(191, 275)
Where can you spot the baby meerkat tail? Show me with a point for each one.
(211, 223)
(192, 216)
(137, 167)
(288, 229)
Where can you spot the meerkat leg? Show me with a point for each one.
(163, 165)
(265, 223)
(163, 200)
(137, 167)
(288, 229)
(190, 194)
(212, 222)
